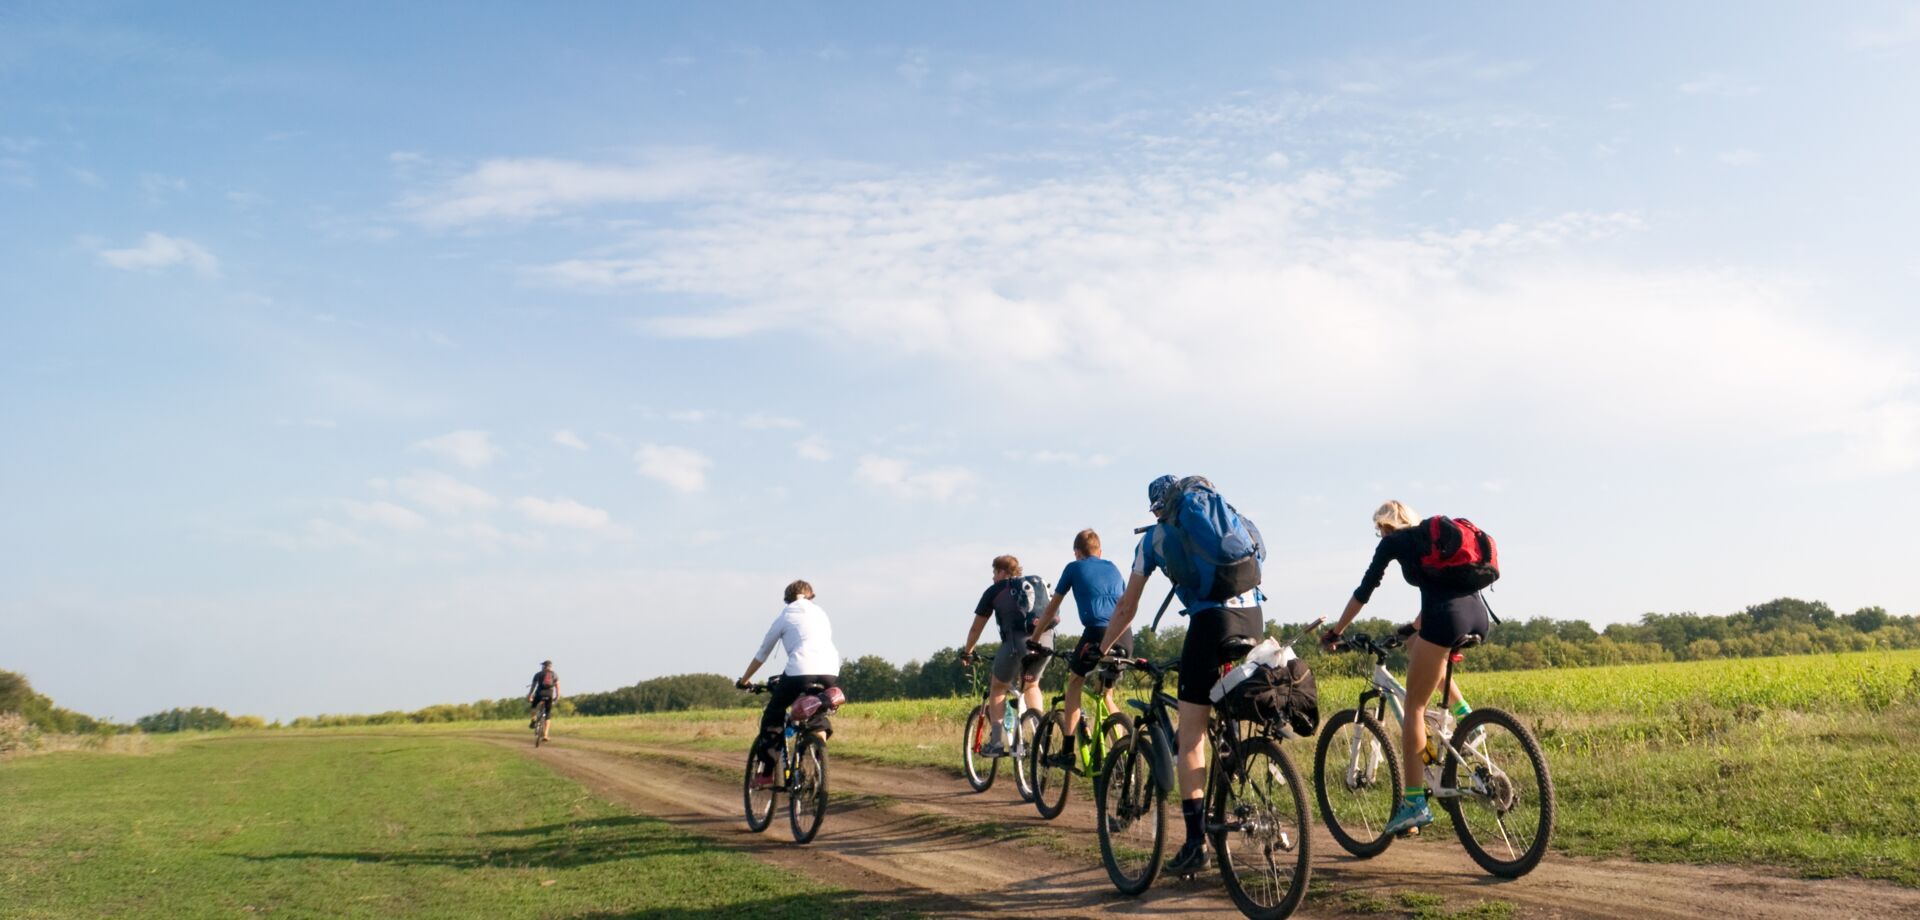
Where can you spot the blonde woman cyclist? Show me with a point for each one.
(1446, 616)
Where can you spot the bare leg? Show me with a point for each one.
(1072, 708)
(1192, 762)
(1035, 701)
(1425, 669)
(997, 708)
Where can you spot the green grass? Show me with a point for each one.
(1805, 761)
(344, 826)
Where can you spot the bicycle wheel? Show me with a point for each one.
(807, 803)
(1020, 745)
(979, 770)
(1132, 823)
(759, 802)
(1356, 778)
(1051, 772)
(1503, 810)
(1259, 823)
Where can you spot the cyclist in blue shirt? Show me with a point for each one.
(1209, 625)
(1096, 585)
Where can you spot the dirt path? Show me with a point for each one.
(920, 840)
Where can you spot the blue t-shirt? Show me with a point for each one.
(1096, 585)
(1144, 562)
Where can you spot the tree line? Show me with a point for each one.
(1785, 626)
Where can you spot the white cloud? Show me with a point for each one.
(565, 512)
(1718, 84)
(813, 448)
(566, 438)
(688, 415)
(157, 251)
(1060, 289)
(1060, 458)
(759, 422)
(1902, 30)
(900, 478)
(386, 514)
(681, 468)
(439, 492)
(157, 187)
(471, 449)
(519, 189)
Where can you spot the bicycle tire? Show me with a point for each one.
(1492, 722)
(976, 734)
(807, 803)
(1362, 833)
(1029, 723)
(758, 817)
(1050, 781)
(1132, 815)
(1261, 832)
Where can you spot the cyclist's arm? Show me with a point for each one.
(747, 675)
(1049, 619)
(973, 635)
(1124, 611)
(766, 647)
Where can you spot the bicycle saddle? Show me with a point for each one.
(1236, 647)
(1468, 641)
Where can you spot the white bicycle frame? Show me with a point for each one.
(1396, 697)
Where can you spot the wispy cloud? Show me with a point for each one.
(682, 468)
(759, 422)
(813, 448)
(520, 189)
(158, 251)
(386, 514)
(441, 493)
(566, 438)
(902, 478)
(1718, 84)
(471, 449)
(565, 512)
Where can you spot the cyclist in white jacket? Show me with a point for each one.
(802, 629)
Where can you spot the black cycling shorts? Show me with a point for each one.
(1201, 658)
(1452, 620)
(542, 702)
(1084, 666)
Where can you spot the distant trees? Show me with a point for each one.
(197, 719)
(17, 696)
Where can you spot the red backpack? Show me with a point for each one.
(1459, 555)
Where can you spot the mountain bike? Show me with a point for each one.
(542, 711)
(1052, 770)
(979, 768)
(1257, 814)
(1487, 773)
(800, 767)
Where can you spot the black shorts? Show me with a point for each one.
(1450, 621)
(542, 702)
(1201, 658)
(1122, 648)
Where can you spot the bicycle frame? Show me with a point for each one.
(1391, 696)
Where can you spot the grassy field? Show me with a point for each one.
(1806, 762)
(345, 826)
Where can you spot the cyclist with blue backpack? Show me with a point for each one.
(1450, 561)
(1212, 555)
(1013, 601)
(1096, 586)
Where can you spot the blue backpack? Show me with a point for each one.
(1205, 545)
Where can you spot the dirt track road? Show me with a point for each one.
(921, 841)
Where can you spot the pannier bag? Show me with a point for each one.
(1285, 697)
(1458, 554)
(1205, 544)
(811, 709)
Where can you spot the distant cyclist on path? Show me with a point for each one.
(1012, 664)
(542, 693)
(802, 629)
(1097, 586)
(1209, 624)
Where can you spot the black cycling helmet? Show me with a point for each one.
(1158, 490)
(546, 664)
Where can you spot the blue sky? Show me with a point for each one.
(359, 358)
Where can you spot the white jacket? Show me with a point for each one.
(802, 628)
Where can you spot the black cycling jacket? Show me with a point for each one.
(1405, 547)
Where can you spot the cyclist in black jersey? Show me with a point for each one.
(1446, 616)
